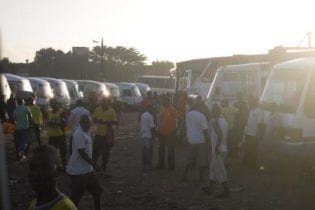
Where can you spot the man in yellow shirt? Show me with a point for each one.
(105, 117)
(37, 117)
(42, 177)
(166, 130)
(56, 130)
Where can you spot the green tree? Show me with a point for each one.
(161, 67)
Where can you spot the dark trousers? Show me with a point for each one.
(21, 140)
(81, 183)
(250, 151)
(100, 147)
(59, 142)
(37, 134)
(147, 153)
(70, 145)
(167, 142)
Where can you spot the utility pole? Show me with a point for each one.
(102, 61)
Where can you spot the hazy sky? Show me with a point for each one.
(173, 30)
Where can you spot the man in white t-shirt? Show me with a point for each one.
(74, 119)
(81, 166)
(147, 131)
(197, 136)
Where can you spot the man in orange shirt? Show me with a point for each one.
(167, 128)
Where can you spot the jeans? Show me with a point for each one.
(147, 153)
(21, 140)
(169, 143)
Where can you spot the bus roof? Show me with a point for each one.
(297, 63)
(156, 76)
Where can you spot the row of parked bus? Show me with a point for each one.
(285, 88)
(67, 91)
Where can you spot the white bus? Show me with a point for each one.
(42, 90)
(60, 90)
(290, 91)
(232, 81)
(18, 83)
(5, 89)
(159, 84)
(73, 89)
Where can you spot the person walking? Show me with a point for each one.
(217, 173)
(23, 119)
(166, 130)
(197, 137)
(56, 130)
(42, 177)
(251, 136)
(105, 117)
(81, 166)
(147, 132)
(37, 117)
(74, 119)
(11, 106)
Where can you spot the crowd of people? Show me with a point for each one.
(207, 134)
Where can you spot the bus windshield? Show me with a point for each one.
(61, 90)
(235, 83)
(284, 88)
(45, 91)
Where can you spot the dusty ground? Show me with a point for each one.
(129, 189)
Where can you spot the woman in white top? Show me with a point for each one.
(217, 173)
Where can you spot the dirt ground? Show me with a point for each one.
(163, 189)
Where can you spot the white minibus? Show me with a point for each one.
(5, 87)
(18, 83)
(234, 81)
(60, 91)
(42, 90)
(130, 94)
(290, 92)
(73, 89)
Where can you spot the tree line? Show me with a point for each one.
(119, 64)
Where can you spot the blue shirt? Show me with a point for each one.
(21, 117)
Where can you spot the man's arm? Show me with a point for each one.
(85, 157)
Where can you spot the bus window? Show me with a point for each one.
(126, 92)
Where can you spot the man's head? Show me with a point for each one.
(105, 102)
(29, 101)
(215, 111)
(20, 101)
(79, 102)
(199, 100)
(166, 101)
(149, 94)
(43, 169)
(53, 103)
(85, 122)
